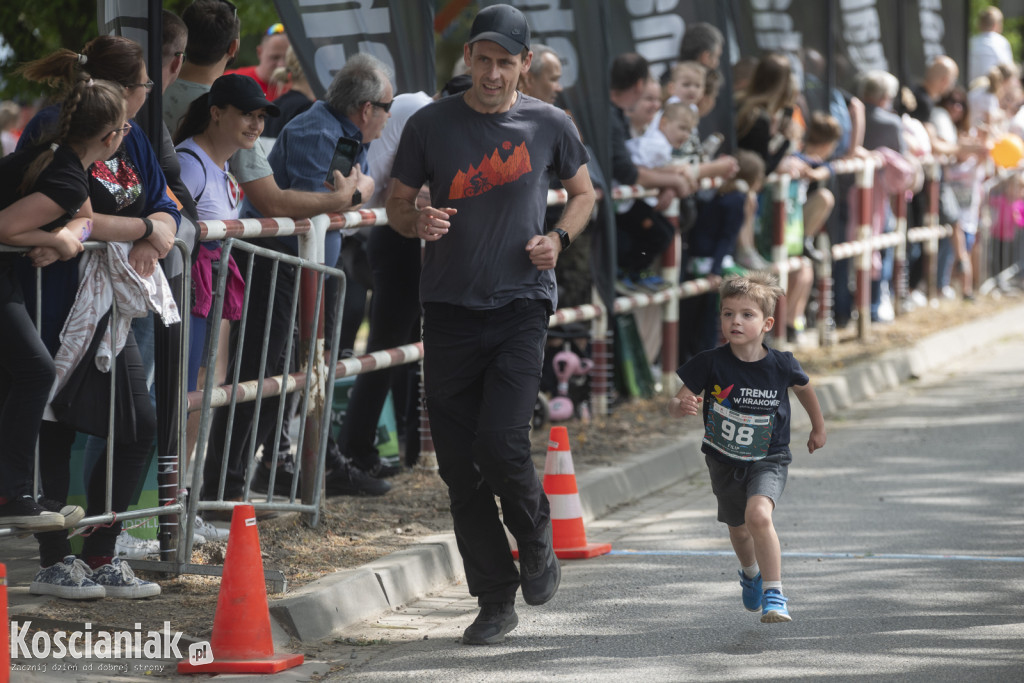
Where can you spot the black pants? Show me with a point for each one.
(394, 320)
(130, 459)
(26, 376)
(247, 351)
(482, 372)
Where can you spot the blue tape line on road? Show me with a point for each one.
(830, 556)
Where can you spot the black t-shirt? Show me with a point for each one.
(291, 104)
(624, 171)
(746, 405)
(116, 187)
(925, 104)
(63, 180)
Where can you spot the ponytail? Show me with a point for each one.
(195, 121)
(90, 108)
(58, 70)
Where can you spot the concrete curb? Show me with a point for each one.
(328, 605)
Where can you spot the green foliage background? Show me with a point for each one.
(35, 28)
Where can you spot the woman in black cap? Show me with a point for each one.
(228, 118)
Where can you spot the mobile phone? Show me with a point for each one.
(711, 145)
(345, 153)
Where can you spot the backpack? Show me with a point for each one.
(186, 150)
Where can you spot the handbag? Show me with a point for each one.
(83, 403)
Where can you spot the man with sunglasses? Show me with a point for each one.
(270, 54)
(213, 37)
(356, 106)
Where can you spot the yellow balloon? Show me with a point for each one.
(1008, 151)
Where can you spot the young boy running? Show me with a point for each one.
(746, 431)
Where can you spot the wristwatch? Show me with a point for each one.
(357, 197)
(563, 236)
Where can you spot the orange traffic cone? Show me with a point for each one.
(241, 641)
(5, 637)
(570, 538)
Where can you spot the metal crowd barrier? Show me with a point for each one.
(171, 501)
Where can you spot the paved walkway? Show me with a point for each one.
(379, 590)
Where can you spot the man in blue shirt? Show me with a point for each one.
(357, 106)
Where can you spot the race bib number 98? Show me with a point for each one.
(738, 435)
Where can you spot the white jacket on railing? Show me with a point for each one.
(105, 276)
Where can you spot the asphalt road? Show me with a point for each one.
(903, 544)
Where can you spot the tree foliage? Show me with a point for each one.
(34, 28)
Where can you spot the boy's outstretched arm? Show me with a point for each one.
(684, 403)
(809, 400)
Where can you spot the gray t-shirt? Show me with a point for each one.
(493, 168)
(246, 164)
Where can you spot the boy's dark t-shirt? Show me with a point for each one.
(746, 405)
(63, 180)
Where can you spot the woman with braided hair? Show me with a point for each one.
(128, 195)
(48, 208)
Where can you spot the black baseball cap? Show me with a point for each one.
(242, 92)
(504, 25)
(457, 84)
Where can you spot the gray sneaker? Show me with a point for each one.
(490, 626)
(539, 570)
(119, 581)
(69, 579)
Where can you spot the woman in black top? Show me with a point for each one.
(44, 192)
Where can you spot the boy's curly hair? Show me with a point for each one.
(759, 286)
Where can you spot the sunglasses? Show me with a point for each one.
(275, 29)
(386, 106)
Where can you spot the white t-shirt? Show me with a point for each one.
(381, 155)
(984, 106)
(986, 50)
(218, 193)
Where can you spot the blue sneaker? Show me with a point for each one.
(70, 579)
(774, 607)
(752, 595)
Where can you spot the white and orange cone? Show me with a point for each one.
(570, 538)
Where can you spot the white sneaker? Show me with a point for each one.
(948, 292)
(886, 313)
(132, 548)
(119, 581)
(70, 579)
(209, 532)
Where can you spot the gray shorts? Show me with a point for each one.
(734, 485)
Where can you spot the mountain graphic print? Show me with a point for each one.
(492, 172)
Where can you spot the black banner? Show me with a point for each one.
(898, 36)
(400, 34)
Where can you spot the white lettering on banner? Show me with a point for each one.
(933, 28)
(364, 20)
(657, 32)
(552, 26)
(862, 31)
(773, 31)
